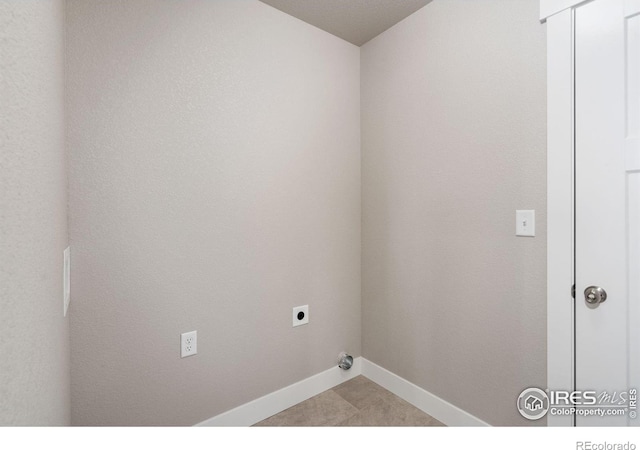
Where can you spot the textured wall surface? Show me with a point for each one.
(454, 141)
(215, 184)
(34, 335)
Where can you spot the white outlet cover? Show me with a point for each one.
(66, 281)
(526, 223)
(305, 315)
(188, 344)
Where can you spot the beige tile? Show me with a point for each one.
(361, 392)
(391, 411)
(326, 409)
(357, 402)
(436, 423)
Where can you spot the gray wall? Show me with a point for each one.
(34, 336)
(454, 141)
(215, 184)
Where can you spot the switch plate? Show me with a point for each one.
(188, 344)
(526, 223)
(300, 315)
(66, 281)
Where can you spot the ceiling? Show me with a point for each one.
(356, 21)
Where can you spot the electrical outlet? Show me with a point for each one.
(300, 315)
(188, 344)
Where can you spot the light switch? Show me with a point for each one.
(526, 223)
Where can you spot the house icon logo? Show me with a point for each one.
(533, 403)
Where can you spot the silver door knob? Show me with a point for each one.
(594, 295)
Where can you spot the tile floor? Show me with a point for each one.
(357, 402)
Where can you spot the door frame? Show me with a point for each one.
(559, 18)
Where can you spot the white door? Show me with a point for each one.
(607, 225)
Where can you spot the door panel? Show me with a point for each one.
(607, 188)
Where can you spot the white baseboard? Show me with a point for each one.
(442, 410)
(264, 407)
